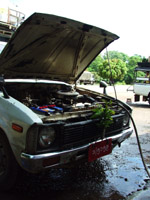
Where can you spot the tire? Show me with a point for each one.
(8, 166)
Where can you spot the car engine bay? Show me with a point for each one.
(58, 101)
(56, 98)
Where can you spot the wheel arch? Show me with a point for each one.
(2, 132)
(10, 171)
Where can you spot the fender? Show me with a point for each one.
(12, 111)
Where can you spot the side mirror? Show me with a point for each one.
(103, 84)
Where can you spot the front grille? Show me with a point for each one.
(79, 131)
(83, 131)
(116, 126)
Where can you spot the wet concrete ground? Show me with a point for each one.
(117, 176)
(120, 175)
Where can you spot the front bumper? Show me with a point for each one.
(40, 162)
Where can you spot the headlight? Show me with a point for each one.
(125, 119)
(46, 136)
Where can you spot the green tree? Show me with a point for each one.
(116, 70)
(116, 55)
(122, 67)
(131, 64)
(94, 67)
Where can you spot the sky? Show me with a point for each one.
(129, 19)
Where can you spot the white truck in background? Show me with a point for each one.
(141, 86)
(86, 78)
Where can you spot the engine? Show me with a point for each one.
(50, 98)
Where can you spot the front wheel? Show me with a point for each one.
(8, 165)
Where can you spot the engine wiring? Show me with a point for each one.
(130, 116)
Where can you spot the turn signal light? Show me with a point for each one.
(17, 128)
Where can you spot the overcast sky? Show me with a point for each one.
(129, 19)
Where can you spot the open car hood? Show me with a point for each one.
(52, 47)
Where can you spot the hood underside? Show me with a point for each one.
(52, 47)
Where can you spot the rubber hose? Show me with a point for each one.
(138, 141)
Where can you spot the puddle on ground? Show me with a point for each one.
(112, 177)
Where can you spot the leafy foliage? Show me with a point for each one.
(94, 67)
(122, 67)
(117, 55)
(104, 114)
(95, 64)
(117, 71)
(144, 60)
(131, 64)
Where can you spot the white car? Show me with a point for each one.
(45, 120)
